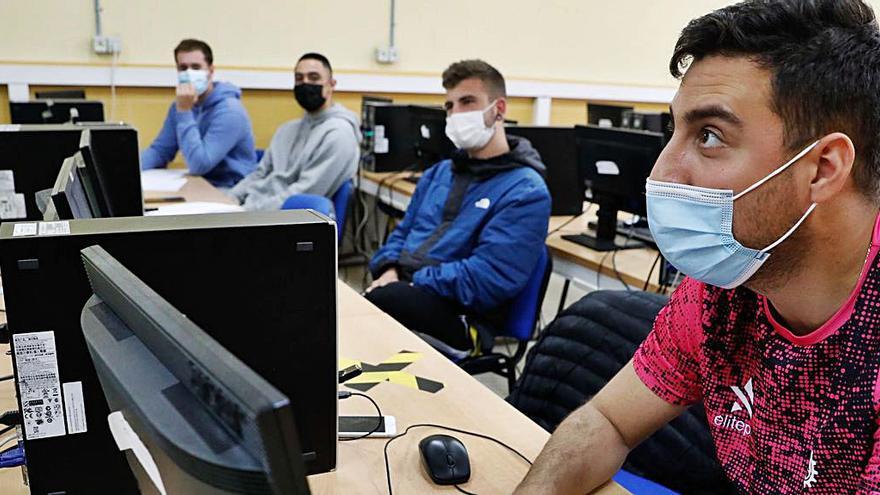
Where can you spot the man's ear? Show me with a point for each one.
(211, 72)
(332, 83)
(501, 105)
(834, 166)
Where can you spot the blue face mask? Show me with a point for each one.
(198, 78)
(693, 227)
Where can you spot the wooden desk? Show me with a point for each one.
(195, 189)
(367, 334)
(390, 187)
(580, 264)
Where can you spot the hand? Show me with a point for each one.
(386, 278)
(186, 97)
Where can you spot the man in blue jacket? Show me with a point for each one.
(207, 122)
(474, 228)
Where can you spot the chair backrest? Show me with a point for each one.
(577, 354)
(309, 202)
(340, 202)
(526, 306)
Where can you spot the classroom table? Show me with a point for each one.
(368, 335)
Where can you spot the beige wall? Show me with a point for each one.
(621, 41)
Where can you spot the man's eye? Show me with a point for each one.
(709, 139)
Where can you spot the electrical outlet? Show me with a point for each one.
(106, 45)
(386, 55)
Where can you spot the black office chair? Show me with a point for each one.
(580, 351)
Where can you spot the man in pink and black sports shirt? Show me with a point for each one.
(767, 197)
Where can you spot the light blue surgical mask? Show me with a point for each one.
(693, 227)
(198, 78)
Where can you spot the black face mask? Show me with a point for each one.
(309, 96)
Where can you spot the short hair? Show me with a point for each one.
(824, 60)
(191, 45)
(320, 58)
(475, 68)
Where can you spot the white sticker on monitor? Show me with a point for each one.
(10, 127)
(425, 131)
(39, 385)
(75, 408)
(7, 180)
(127, 439)
(24, 229)
(379, 132)
(380, 146)
(605, 167)
(12, 206)
(55, 228)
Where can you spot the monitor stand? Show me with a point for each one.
(603, 245)
(607, 236)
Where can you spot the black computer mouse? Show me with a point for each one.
(445, 459)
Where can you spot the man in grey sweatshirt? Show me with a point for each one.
(315, 154)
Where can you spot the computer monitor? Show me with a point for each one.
(409, 137)
(61, 94)
(68, 196)
(56, 111)
(34, 154)
(93, 177)
(281, 322)
(606, 115)
(208, 422)
(614, 164)
(558, 151)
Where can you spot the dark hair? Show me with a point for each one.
(191, 45)
(824, 57)
(468, 69)
(320, 58)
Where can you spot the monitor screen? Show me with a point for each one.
(191, 417)
(68, 195)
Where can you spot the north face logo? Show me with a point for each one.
(743, 400)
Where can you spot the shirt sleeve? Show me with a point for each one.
(668, 360)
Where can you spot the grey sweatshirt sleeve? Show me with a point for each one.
(247, 184)
(330, 161)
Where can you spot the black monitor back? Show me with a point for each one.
(262, 284)
(416, 137)
(34, 154)
(51, 111)
(596, 113)
(64, 94)
(615, 163)
(556, 145)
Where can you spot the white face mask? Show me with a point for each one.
(198, 78)
(468, 131)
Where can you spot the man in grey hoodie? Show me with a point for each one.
(315, 154)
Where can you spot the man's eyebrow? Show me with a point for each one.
(712, 112)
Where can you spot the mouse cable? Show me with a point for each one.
(344, 394)
(462, 490)
(448, 428)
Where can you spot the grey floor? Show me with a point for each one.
(354, 277)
